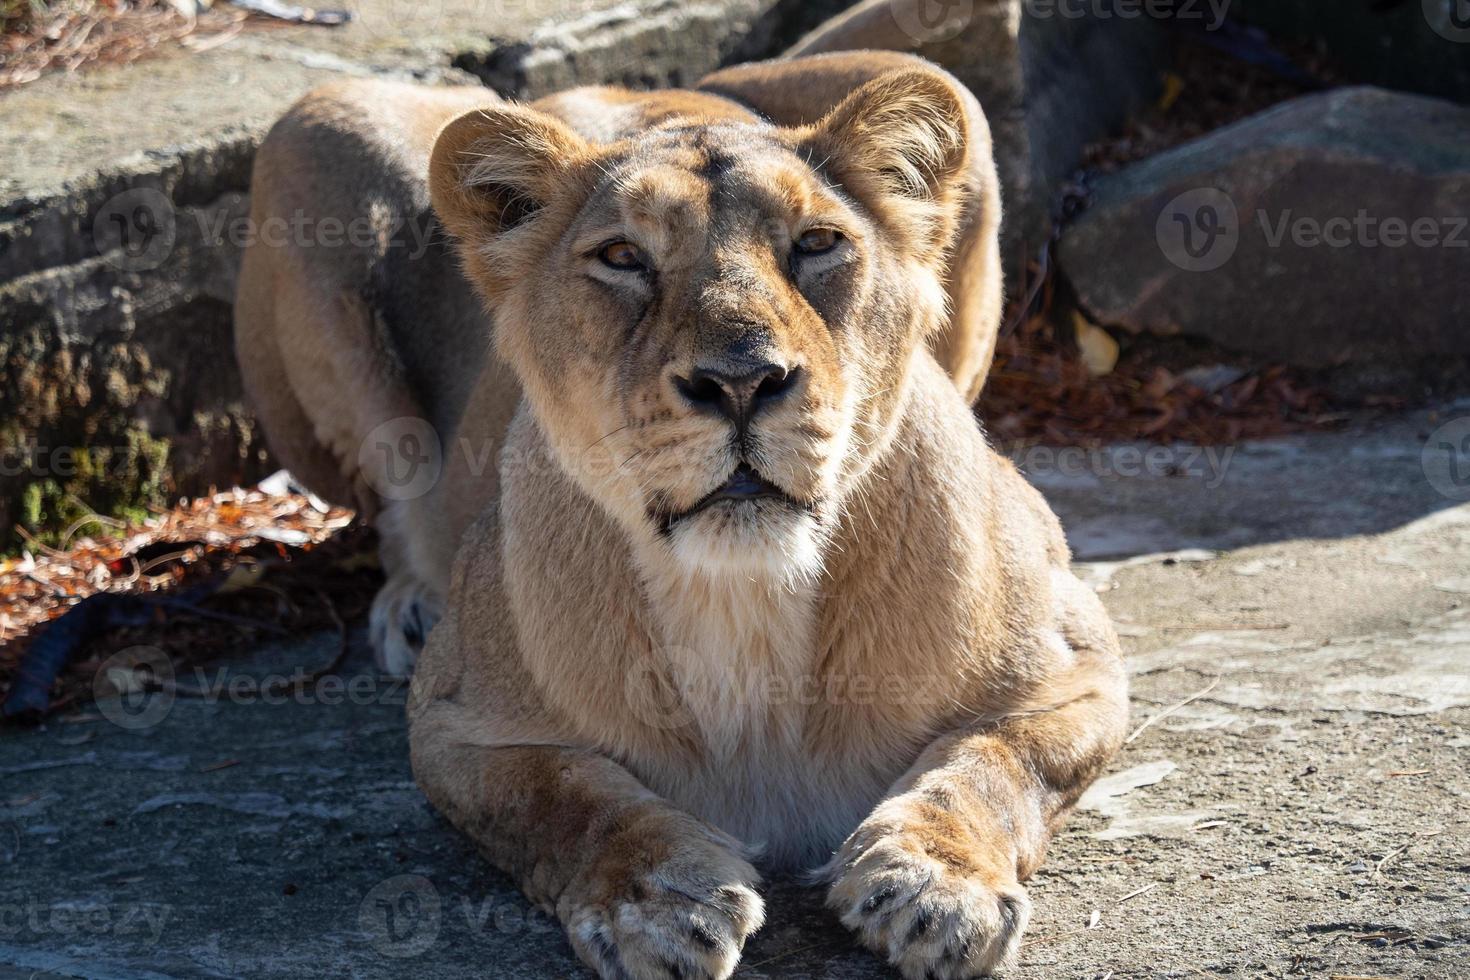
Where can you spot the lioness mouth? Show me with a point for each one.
(745, 484)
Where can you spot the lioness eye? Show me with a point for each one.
(621, 255)
(817, 240)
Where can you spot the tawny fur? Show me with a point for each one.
(895, 680)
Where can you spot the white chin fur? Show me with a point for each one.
(757, 539)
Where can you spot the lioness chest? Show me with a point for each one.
(792, 741)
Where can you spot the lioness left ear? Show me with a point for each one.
(493, 170)
(903, 135)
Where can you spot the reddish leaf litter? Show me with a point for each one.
(1039, 391)
(282, 564)
(1209, 89)
(64, 35)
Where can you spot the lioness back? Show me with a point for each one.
(350, 310)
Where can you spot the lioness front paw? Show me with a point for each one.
(685, 917)
(404, 610)
(934, 916)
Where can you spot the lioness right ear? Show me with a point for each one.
(907, 128)
(901, 141)
(493, 169)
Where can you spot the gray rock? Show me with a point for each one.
(662, 44)
(1331, 230)
(1052, 77)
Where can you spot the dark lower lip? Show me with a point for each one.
(744, 484)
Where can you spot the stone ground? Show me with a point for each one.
(100, 116)
(1308, 814)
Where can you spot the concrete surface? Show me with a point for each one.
(1305, 816)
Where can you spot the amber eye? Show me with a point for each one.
(621, 255)
(817, 240)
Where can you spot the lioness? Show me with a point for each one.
(747, 585)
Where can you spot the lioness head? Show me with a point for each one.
(714, 319)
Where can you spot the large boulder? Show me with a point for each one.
(1052, 76)
(1331, 230)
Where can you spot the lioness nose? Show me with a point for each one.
(738, 397)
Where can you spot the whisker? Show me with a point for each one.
(630, 459)
(608, 436)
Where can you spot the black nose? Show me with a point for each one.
(738, 397)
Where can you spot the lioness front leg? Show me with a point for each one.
(643, 889)
(931, 880)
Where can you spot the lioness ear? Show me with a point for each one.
(902, 136)
(494, 169)
(908, 128)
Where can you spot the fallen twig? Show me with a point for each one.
(1043, 940)
(1399, 852)
(786, 955)
(1141, 891)
(1170, 710)
(1222, 627)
